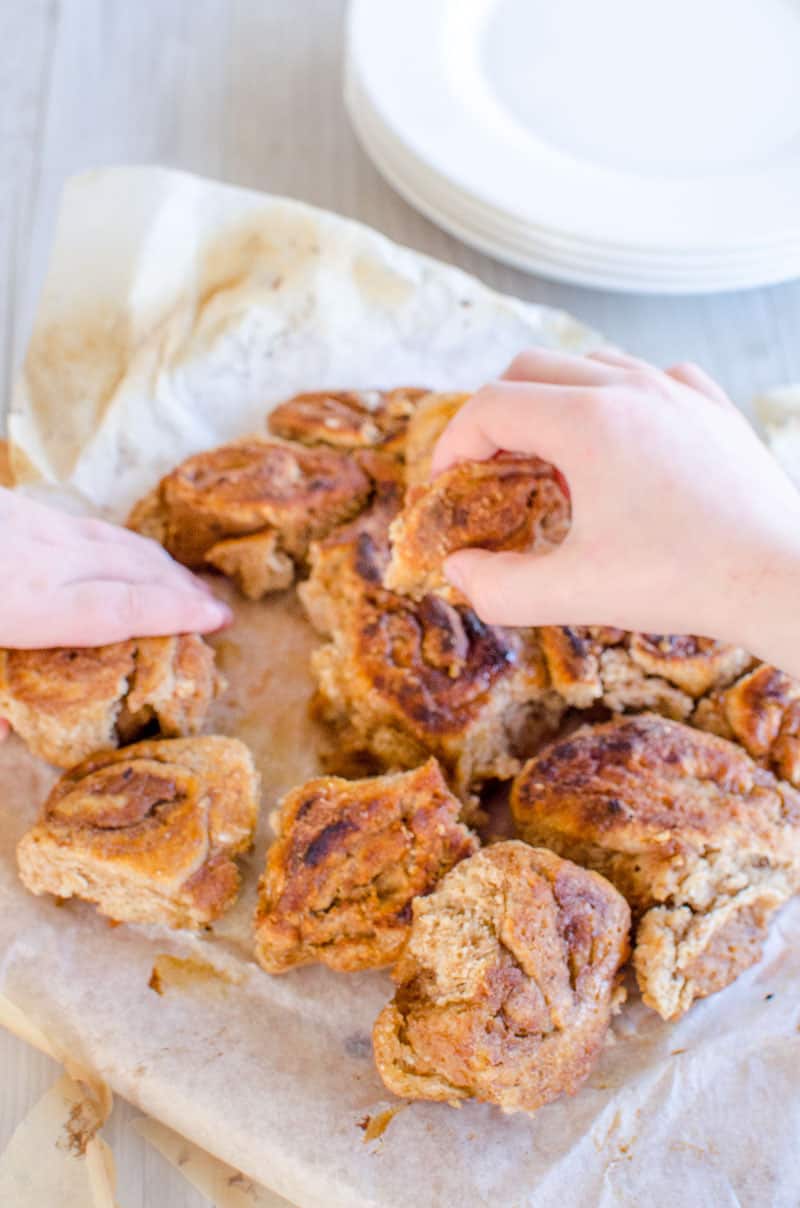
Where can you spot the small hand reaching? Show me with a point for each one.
(70, 581)
(682, 522)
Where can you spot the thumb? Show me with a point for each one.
(520, 589)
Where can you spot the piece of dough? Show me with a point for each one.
(762, 712)
(252, 487)
(401, 680)
(348, 419)
(148, 833)
(509, 503)
(507, 983)
(67, 702)
(350, 857)
(703, 843)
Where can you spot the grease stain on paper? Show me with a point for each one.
(188, 973)
(80, 1127)
(375, 1126)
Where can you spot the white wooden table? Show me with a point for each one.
(250, 91)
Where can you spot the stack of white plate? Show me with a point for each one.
(647, 145)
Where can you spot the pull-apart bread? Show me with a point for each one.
(350, 857)
(431, 416)
(148, 833)
(348, 419)
(66, 703)
(636, 671)
(762, 712)
(401, 680)
(507, 983)
(703, 843)
(251, 508)
(508, 503)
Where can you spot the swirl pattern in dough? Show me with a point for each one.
(148, 833)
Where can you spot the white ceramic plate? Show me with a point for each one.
(451, 197)
(630, 127)
(552, 255)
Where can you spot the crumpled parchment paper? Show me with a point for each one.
(56, 1154)
(175, 313)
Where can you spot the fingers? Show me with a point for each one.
(101, 531)
(535, 418)
(102, 536)
(47, 525)
(695, 377)
(100, 611)
(524, 589)
(619, 360)
(150, 557)
(5, 729)
(559, 369)
(139, 563)
(687, 373)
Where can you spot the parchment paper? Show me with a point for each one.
(176, 311)
(56, 1154)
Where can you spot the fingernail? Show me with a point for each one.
(452, 574)
(220, 613)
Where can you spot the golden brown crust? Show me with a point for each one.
(6, 467)
(508, 503)
(693, 664)
(64, 703)
(255, 563)
(173, 684)
(349, 859)
(401, 680)
(432, 415)
(762, 712)
(675, 818)
(507, 983)
(635, 671)
(148, 833)
(572, 654)
(251, 486)
(347, 419)
(67, 702)
(148, 516)
(351, 559)
(681, 955)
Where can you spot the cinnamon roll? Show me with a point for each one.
(703, 843)
(762, 712)
(350, 857)
(432, 415)
(400, 680)
(509, 503)
(347, 419)
(251, 508)
(149, 833)
(507, 984)
(630, 672)
(67, 702)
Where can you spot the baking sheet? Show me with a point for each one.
(175, 313)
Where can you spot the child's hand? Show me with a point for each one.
(682, 521)
(70, 581)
